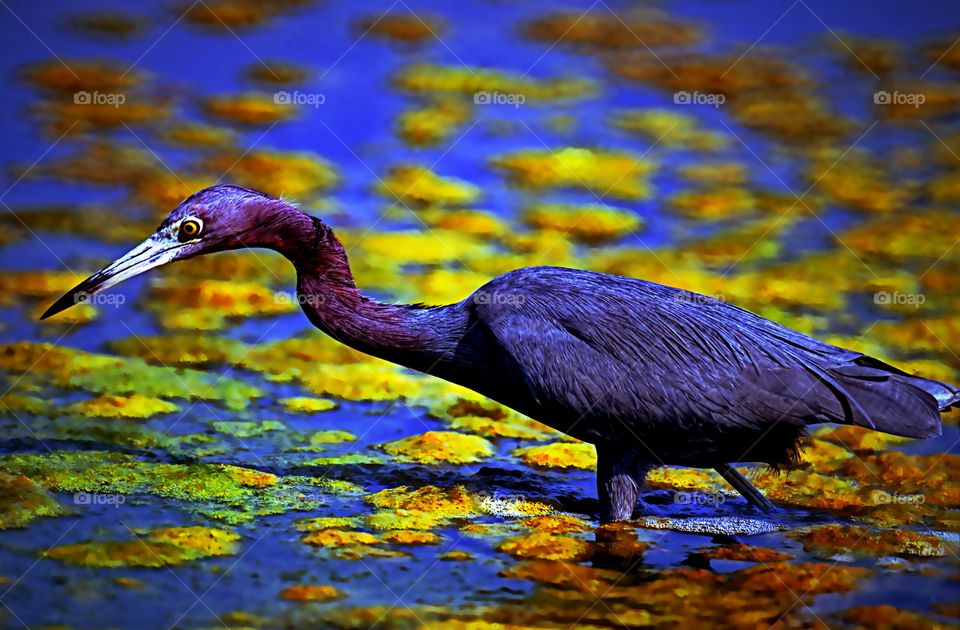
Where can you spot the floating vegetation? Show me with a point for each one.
(435, 447)
(311, 593)
(467, 81)
(22, 501)
(155, 548)
(607, 30)
(403, 28)
(295, 174)
(663, 127)
(560, 455)
(419, 186)
(593, 225)
(252, 108)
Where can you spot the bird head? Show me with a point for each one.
(215, 219)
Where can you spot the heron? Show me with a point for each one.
(651, 375)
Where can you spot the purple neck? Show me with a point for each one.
(422, 338)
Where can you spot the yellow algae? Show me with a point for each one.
(454, 502)
(81, 75)
(374, 381)
(332, 436)
(471, 222)
(822, 453)
(859, 183)
(69, 117)
(311, 593)
(468, 81)
(17, 403)
(591, 224)
(432, 124)
(858, 439)
(420, 186)
(684, 479)
(557, 524)
(218, 299)
(790, 116)
(751, 241)
(406, 537)
(835, 539)
(339, 538)
(408, 519)
(456, 556)
(887, 616)
(745, 553)
(931, 334)
(439, 447)
(916, 100)
(907, 479)
(407, 28)
(104, 374)
(197, 135)
(715, 173)
(714, 204)
(600, 29)
(604, 173)
(102, 164)
(422, 247)
(667, 128)
(559, 455)
(515, 426)
(162, 190)
(547, 546)
(100, 223)
(156, 548)
(320, 523)
(182, 350)
(252, 108)
(134, 406)
(44, 285)
(810, 489)
(293, 174)
(261, 266)
(22, 500)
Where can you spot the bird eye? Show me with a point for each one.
(189, 230)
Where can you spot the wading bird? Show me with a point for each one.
(649, 374)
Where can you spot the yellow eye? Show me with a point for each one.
(189, 230)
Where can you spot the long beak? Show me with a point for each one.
(153, 252)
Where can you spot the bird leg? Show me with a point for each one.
(745, 488)
(620, 473)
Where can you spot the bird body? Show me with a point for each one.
(650, 374)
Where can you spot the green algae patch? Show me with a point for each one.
(328, 522)
(182, 350)
(231, 494)
(245, 429)
(134, 407)
(22, 500)
(454, 502)
(401, 519)
(108, 375)
(306, 404)
(559, 455)
(440, 447)
(419, 186)
(156, 548)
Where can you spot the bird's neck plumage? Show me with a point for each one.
(422, 338)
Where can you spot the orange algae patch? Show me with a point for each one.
(134, 407)
(458, 79)
(294, 174)
(606, 30)
(667, 128)
(913, 235)
(340, 538)
(471, 222)
(229, 14)
(206, 304)
(406, 537)
(249, 476)
(406, 28)
(745, 553)
(858, 439)
(81, 75)
(252, 108)
(715, 204)
(887, 617)
(843, 539)
(437, 447)
(305, 404)
(559, 455)
(157, 548)
(617, 174)
(276, 73)
(457, 556)
(402, 519)
(591, 224)
(432, 124)
(311, 593)
(22, 500)
(547, 546)
(198, 136)
(419, 186)
(556, 524)
(108, 24)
